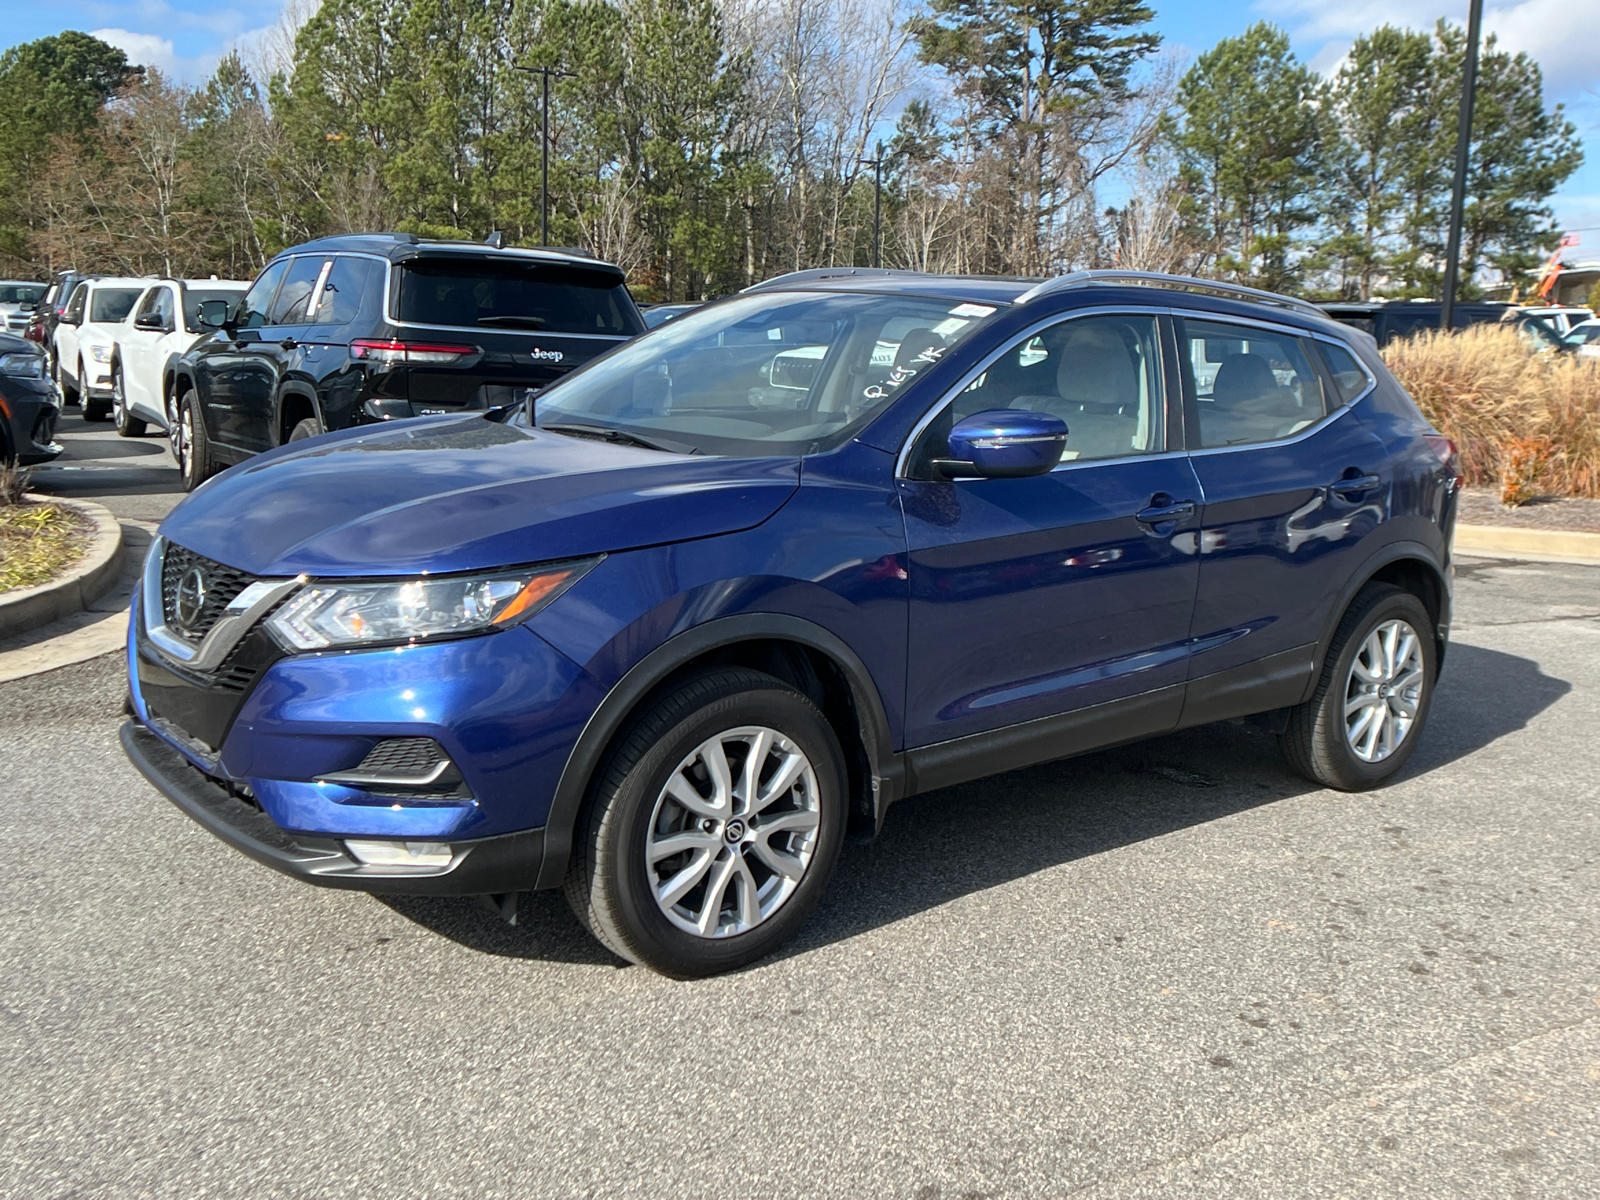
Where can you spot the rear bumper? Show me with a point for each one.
(486, 866)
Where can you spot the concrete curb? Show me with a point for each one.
(96, 573)
(1534, 545)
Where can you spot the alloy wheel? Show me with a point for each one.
(119, 401)
(733, 832)
(1384, 691)
(182, 436)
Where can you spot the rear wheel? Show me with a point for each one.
(713, 829)
(190, 445)
(1363, 721)
(128, 425)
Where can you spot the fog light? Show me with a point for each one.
(401, 854)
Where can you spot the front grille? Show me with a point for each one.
(222, 585)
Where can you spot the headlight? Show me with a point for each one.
(324, 615)
(100, 353)
(22, 366)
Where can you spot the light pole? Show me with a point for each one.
(1458, 190)
(877, 205)
(544, 145)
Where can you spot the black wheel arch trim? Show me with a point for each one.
(1383, 556)
(608, 719)
(301, 389)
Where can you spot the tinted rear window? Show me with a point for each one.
(514, 295)
(113, 304)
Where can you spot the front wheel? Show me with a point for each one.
(69, 393)
(714, 827)
(128, 425)
(190, 446)
(1363, 721)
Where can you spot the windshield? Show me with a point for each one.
(511, 294)
(112, 304)
(193, 298)
(763, 374)
(21, 293)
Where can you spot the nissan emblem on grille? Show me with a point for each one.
(191, 599)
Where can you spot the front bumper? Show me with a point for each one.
(485, 866)
(30, 414)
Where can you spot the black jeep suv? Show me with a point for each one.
(373, 327)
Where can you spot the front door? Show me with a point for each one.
(265, 360)
(1041, 596)
(223, 363)
(1293, 484)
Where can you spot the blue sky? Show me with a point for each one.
(185, 37)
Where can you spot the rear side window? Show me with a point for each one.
(1251, 384)
(112, 304)
(1350, 378)
(342, 292)
(506, 294)
(290, 306)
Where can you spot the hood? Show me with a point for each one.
(465, 494)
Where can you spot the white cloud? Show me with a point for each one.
(151, 50)
(1554, 33)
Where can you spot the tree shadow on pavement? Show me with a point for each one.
(947, 844)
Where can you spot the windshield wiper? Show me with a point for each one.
(513, 319)
(605, 433)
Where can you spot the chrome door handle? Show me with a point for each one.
(1160, 514)
(1361, 483)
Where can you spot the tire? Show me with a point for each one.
(128, 425)
(612, 882)
(192, 448)
(309, 428)
(69, 394)
(1334, 744)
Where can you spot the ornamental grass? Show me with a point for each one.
(38, 542)
(1524, 422)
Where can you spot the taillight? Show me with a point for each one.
(391, 352)
(1449, 456)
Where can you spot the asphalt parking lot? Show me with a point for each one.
(1172, 969)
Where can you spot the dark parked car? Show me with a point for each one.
(353, 330)
(1386, 320)
(755, 576)
(28, 409)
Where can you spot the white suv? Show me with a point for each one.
(84, 339)
(165, 323)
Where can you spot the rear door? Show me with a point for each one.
(1292, 484)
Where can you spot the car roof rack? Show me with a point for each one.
(818, 274)
(1111, 277)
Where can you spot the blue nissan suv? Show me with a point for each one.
(661, 634)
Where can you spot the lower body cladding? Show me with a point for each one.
(419, 770)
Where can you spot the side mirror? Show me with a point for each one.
(213, 314)
(150, 320)
(72, 318)
(1003, 443)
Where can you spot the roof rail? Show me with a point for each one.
(817, 274)
(1177, 283)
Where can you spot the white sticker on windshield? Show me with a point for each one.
(971, 310)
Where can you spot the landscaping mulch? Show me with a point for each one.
(1481, 506)
(38, 542)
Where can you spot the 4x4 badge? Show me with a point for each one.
(191, 598)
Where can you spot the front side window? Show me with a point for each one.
(148, 304)
(165, 307)
(110, 305)
(1251, 384)
(1101, 375)
(509, 293)
(74, 309)
(769, 373)
(253, 309)
(290, 306)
